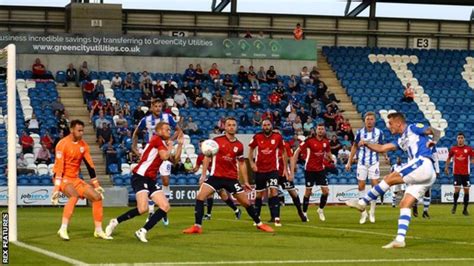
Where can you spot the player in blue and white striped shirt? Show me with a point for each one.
(419, 173)
(368, 160)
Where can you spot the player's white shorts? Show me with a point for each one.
(165, 168)
(368, 171)
(419, 175)
(398, 188)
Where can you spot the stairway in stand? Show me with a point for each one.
(71, 97)
(355, 118)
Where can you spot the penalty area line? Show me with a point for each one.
(50, 254)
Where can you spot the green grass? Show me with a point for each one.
(226, 239)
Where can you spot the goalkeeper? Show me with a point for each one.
(70, 152)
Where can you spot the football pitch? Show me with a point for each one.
(445, 239)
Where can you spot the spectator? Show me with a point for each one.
(33, 124)
(262, 75)
(243, 76)
(276, 118)
(309, 98)
(200, 73)
(315, 108)
(218, 100)
(71, 74)
(21, 166)
(288, 127)
(88, 91)
(99, 88)
(116, 81)
(252, 77)
(228, 100)
(120, 121)
(129, 82)
(143, 77)
(180, 99)
(308, 126)
(255, 100)
(216, 130)
(245, 121)
(272, 76)
(215, 75)
(260, 35)
(408, 94)
(57, 106)
(268, 115)
(303, 115)
(27, 143)
(339, 120)
(43, 155)
(237, 100)
(47, 141)
(146, 98)
(293, 84)
(198, 100)
(105, 134)
(248, 35)
(292, 115)
(191, 128)
(207, 98)
(343, 155)
(157, 90)
(228, 82)
(101, 120)
(274, 99)
(170, 89)
(84, 73)
(221, 123)
(146, 84)
(126, 109)
(63, 124)
(281, 90)
(346, 130)
(298, 126)
(321, 90)
(188, 165)
(298, 33)
(346, 141)
(314, 74)
(330, 132)
(329, 117)
(186, 88)
(335, 145)
(39, 70)
(117, 106)
(257, 119)
(190, 73)
(295, 101)
(305, 76)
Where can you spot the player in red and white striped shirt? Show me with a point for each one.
(144, 181)
(226, 166)
(462, 155)
(317, 148)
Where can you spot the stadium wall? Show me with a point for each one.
(156, 64)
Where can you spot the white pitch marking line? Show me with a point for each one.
(50, 253)
(293, 261)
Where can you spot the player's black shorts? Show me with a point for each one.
(231, 185)
(315, 178)
(285, 184)
(266, 180)
(462, 180)
(141, 183)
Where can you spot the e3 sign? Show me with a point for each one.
(422, 43)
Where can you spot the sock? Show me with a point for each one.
(305, 203)
(69, 207)
(323, 200)
(210, 202)
(151, 206)
(64, 226)
(403, 223)
(156, 217)
(198, 212)
(297, 203)
(466, 200)
(274, 205)
(128, 215)
(372, 207)
(455, 199)
(231, 204)
(252, 213)
(258, 206)
(426, 203)
(374, 193)
(394, 199)
(167, 191)
(97, 211)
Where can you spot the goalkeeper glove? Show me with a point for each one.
(55, 197)
(97, 187)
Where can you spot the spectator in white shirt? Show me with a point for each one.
(33, 124)
(343, 155)
(305, 76)
(237, 100)
(116, 81)
(207, 98)
(180, 99)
